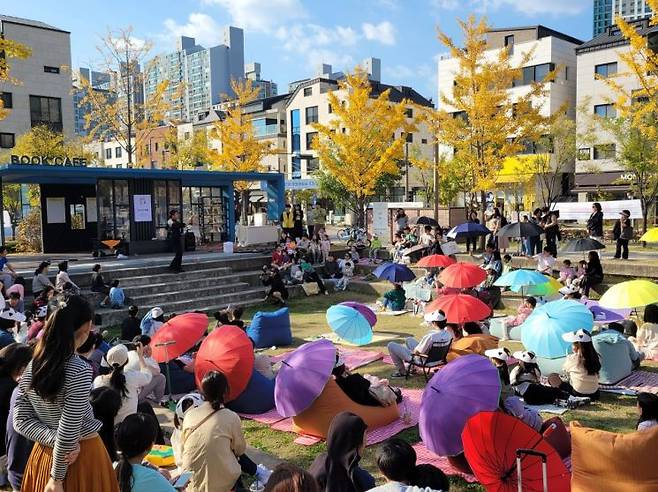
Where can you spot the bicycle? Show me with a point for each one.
(358, 238)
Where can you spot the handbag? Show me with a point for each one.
(311, 288)
(381, 391)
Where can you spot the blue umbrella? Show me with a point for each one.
(468, 229)
(517, 279)
(542, 331)
(349, 324)
(395, 272)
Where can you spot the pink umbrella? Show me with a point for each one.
(367, 313)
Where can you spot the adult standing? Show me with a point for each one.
(622, 233)
(176, 238)
(298, 221)
(318, 219)
(401, 220)
(552, 229)
(288, 221)
(536, 242)
(595, 222)
(472, 241)
(53, 409)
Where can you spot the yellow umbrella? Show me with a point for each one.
(546, 289)
(630, 294)
(651, 236)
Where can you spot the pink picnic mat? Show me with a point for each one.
(267, 418)
(426, 457)
(641, 381)
(353, 357)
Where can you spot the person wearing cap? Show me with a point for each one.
(582, 367)
(155, 389)
(187, 402)
(401, 353)
(622, 232)
(128, 383)
(152, 321)
(524, 310)
(8, 319)
(499, 357)
(525, 379)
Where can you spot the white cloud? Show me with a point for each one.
(384, 32)
(317, 44)
(527, 7)
(258, 15)
(202, 27)
(388, 4)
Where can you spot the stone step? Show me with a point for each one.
(157, 286)
(183, 292)
(169, 277)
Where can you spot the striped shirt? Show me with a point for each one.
(60, 424)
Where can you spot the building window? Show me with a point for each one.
(308, 91)
(409, 113)
(309, 140)
(156, 146)
(312, 165)
(566, 73)
(606, 69)
(7, 100)
(329, 109)
(7, 140)
(108, 153)
(605, 110)
(409, 137)
(584, 154)
(46, 111)
(187, 135)
(423, 140)
(311, 115)
(605, 151)
(117, 152)
(535, 73)
(509, 43)
(48, 69)
(461, 115)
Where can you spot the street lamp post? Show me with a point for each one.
(406, 171)
(436, 181)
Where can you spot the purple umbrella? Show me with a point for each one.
(367, 313)
(606, 315)
(302, 377)
(466, 386)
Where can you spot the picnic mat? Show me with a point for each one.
(640, 381)
(553, 409)
(426, 457)
(353, 357)
(392, 313)
(332, 337)
(267, 418)
(409, 408)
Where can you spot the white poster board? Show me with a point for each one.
(611, 209)
(56, 210)
(380, 221)
(142, 208)
(92, 215)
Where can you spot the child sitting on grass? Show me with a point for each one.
(647, 406)
(567, 273)
(117, 296)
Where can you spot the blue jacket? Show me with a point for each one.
(617, 356)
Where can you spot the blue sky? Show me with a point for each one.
(290, 37)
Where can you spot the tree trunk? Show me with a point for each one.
(361, 212)
(244, 199)
(483, 207)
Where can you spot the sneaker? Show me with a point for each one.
(397, 375)
(579, 401)
(263, 473)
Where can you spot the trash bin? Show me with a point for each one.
(228, 247)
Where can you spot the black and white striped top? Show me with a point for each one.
(60, 424)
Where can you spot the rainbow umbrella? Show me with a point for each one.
(349, 324)
(630, 294)
(519, 280)
(546, 289)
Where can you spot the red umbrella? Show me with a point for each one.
(460, 308)
(462, 275)
(178, 335)
(228, 350)
(491, 440)
(436, 261)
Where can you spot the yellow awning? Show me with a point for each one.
(518, 169)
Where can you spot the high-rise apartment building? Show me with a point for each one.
(205, 74)
(99, 81)
(630, 10)
(268, 88)
(602, 15)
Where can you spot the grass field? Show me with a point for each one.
(613, 412)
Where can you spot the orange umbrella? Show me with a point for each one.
(178, 335)
(435, 261)
(460, 308)
(227, 350)
(462, 275)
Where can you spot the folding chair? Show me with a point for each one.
(436, 357)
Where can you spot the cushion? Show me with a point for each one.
(258, 396)
(315, 420)
(616, 361)
(496, 329)
(270, 329)
(610, 462)
(180, 382)
(549, 366)
(472, 344)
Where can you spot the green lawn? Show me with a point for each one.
(612, 413)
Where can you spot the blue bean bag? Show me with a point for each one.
(270, 329)
(617, 356)
(180, 381)
(258, 396)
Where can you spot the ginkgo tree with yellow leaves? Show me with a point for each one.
(358, 147)
(240, 150)
(10, 49)
(481, 120)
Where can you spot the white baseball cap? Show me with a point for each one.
(577, 336)
(42, 312)
(11, 314)
(196, 400)
(117, 356)
(156, 312)
(497, 353)
(435, 316)
(524, 356)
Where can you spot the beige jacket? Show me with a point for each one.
(210, 452)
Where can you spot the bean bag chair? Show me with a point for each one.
(269, 329)
(610, 462)
(496, 329)
(616, 356)
(472, 344)
(258, 396)
(549, 366)
(181, 382)
(315, 420)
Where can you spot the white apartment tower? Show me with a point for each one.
(43, 96)
(630, 10)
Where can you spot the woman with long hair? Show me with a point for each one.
(582, 367)
(593, 272)
(287, 477)
(106, 403)
(40, 280)
(647, 407)
(526, 381)
(646, 338)
(135, 437)
(53, 409)
(338, 468)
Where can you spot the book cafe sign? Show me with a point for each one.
(49, 161)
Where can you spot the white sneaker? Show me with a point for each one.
(263, 473)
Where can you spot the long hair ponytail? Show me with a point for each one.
(134, 436)
(57, 345)
(118, 380)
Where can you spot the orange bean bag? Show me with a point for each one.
(472, 344)
(610, 462)
(315, 420)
